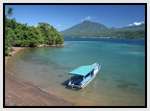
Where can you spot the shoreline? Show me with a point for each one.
(18, 49)
(23, 93)
(13, 52)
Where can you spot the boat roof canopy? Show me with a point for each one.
(82, 70)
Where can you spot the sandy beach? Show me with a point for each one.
(22, 93)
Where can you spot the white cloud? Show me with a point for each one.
(87, 18)
(136, 23)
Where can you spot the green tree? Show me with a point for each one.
(49, 33)
(18, 34)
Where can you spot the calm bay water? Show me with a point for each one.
(120, 81)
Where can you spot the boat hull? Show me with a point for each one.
(94, 75)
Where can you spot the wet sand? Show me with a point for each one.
(22, 93)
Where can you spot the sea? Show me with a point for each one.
(120, 82)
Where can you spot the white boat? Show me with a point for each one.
(83, 75)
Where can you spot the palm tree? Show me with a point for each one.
(9, 12)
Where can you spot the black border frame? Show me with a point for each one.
(144, 4)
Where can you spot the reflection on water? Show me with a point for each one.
(120, 82)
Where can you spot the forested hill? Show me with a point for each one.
(22, 35)
(89, 29)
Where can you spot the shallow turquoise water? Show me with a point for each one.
(120, 81)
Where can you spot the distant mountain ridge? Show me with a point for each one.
(89, 29)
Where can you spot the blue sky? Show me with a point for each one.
(65, 16)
